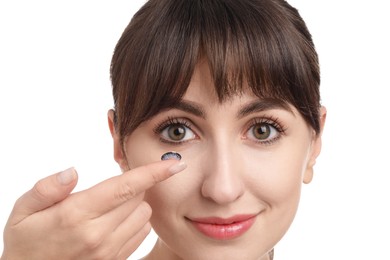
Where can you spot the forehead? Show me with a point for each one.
(201, 98)
(202, 86)
(202, 89)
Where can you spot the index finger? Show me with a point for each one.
(117, 190)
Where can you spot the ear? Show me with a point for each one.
(119, 155)
(315, 148)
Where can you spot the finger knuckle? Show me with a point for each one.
(92, 240)
(125, 192)
(40, 191)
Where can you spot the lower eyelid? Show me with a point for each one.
(168, 142)
(162, 140)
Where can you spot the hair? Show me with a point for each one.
(262, 44)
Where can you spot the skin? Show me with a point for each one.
(229, 172)
(48, 223)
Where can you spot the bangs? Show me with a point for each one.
(263, 45)
(252, 42)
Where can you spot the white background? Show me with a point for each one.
(55, 92)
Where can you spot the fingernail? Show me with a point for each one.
(67, 176)
(176, 168)
(171, 155)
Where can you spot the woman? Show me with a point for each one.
(231, 86)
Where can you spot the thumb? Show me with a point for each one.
(45, 193)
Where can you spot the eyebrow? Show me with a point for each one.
(252, 107)
(189, 107)
(263, 105)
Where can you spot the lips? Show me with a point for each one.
(224, 228)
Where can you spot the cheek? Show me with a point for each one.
(275, 181)
(175, 192)
(141, 149)
(169, 201)
(276, 176)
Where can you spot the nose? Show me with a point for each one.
(222, 181)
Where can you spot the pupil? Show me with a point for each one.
(262, 131)
(177, 132)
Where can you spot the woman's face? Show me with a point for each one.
(247, 159)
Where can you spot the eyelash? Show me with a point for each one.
(271, 121)
(268, 120)
(171, 121)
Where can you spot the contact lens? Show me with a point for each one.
(171, 155)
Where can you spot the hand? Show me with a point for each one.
(107, 221)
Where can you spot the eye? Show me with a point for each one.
(175, 130)
(264, 131)
(177, 133)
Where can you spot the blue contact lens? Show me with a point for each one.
(171, 155)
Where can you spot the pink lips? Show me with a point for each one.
(224, 228)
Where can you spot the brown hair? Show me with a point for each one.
(262, 43)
